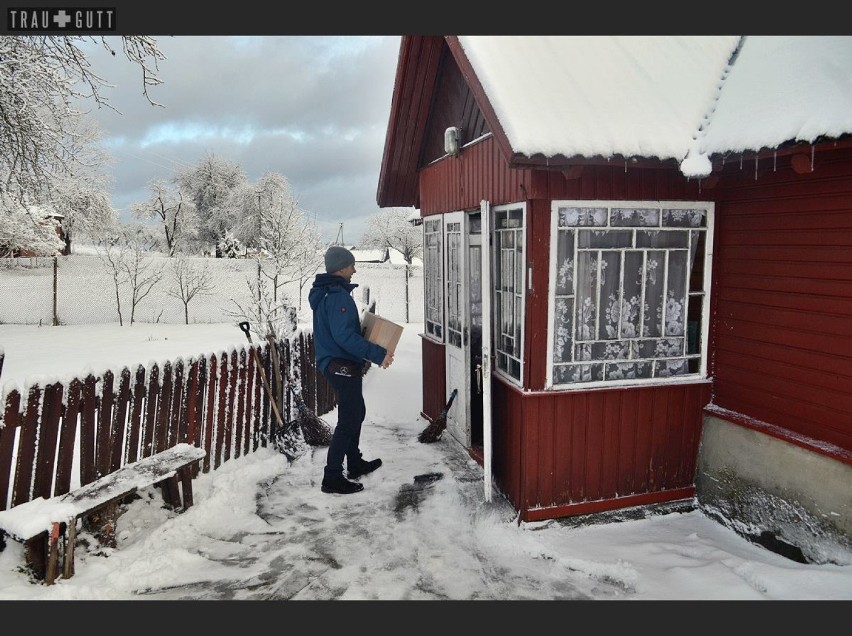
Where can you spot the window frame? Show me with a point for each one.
(433, 278)
(690, 377)
(519, 295)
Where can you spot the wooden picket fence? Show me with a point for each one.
(102, 423)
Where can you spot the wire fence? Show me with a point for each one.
(81, 289)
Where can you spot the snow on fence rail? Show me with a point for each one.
(57, 437)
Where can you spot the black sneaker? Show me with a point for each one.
(363, 468)
(340, 485)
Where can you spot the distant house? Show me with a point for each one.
(637, 269)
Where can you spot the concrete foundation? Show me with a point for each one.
(794, 501)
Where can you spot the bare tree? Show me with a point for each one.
(127, 255)
(189, 281)
(175, 214)
(394, 228)
(110, 250)
(267, 315)
(143, 273)
(41, 79)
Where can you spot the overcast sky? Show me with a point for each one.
(314, 109)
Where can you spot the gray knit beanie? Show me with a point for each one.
(336, 258)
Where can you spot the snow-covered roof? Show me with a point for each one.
(44, 212)
(668, 97)
(369, 256)
(396, 258)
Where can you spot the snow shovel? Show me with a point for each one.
(433, 432)
(287, 440)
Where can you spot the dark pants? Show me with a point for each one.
(351, 412)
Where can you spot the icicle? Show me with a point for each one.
(625, 166)
(741, 162)
(812, 158)
(774, 161)
(755, 167)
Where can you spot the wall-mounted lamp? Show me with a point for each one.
(452, 141)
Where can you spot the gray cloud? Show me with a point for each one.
(314, 109)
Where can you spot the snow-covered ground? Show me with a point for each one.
(420, 530)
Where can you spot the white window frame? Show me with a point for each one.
(518, 295)
(692, 296)
(433, 279)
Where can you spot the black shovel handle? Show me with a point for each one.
(449, 403)
(246, 329)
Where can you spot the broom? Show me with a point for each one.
(317, 432)
(433, 432)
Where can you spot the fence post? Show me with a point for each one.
(406, 293)
(55, 287)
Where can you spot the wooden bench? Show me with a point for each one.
(47, 518)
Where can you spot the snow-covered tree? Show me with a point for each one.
(392, 228)
(308, 257)
(84, 211)
(80, 196)
(26, 230)
(285, 242)
(229, 246)
(43, 78)
(173, 212)
(208, 185)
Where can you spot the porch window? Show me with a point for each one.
(628, 296)
(508, 282)
(454, 284)
(433, 285)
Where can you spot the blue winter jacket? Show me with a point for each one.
(337, 325)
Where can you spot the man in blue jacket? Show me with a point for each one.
(340, 354)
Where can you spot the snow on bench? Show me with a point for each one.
(28, 520)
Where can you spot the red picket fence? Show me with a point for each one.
(102, 423)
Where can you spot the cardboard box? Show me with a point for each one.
(380, 331)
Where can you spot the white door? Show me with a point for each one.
(458, 369)
(485, 338)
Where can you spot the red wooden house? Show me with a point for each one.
(638, 269)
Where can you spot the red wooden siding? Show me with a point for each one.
(460, 183)
(783, 298)
(481, 172)
(434, 378)
(416, 75)
(567, 453)
(535, 327)
(452, 105)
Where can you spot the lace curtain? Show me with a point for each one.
(622, 292)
